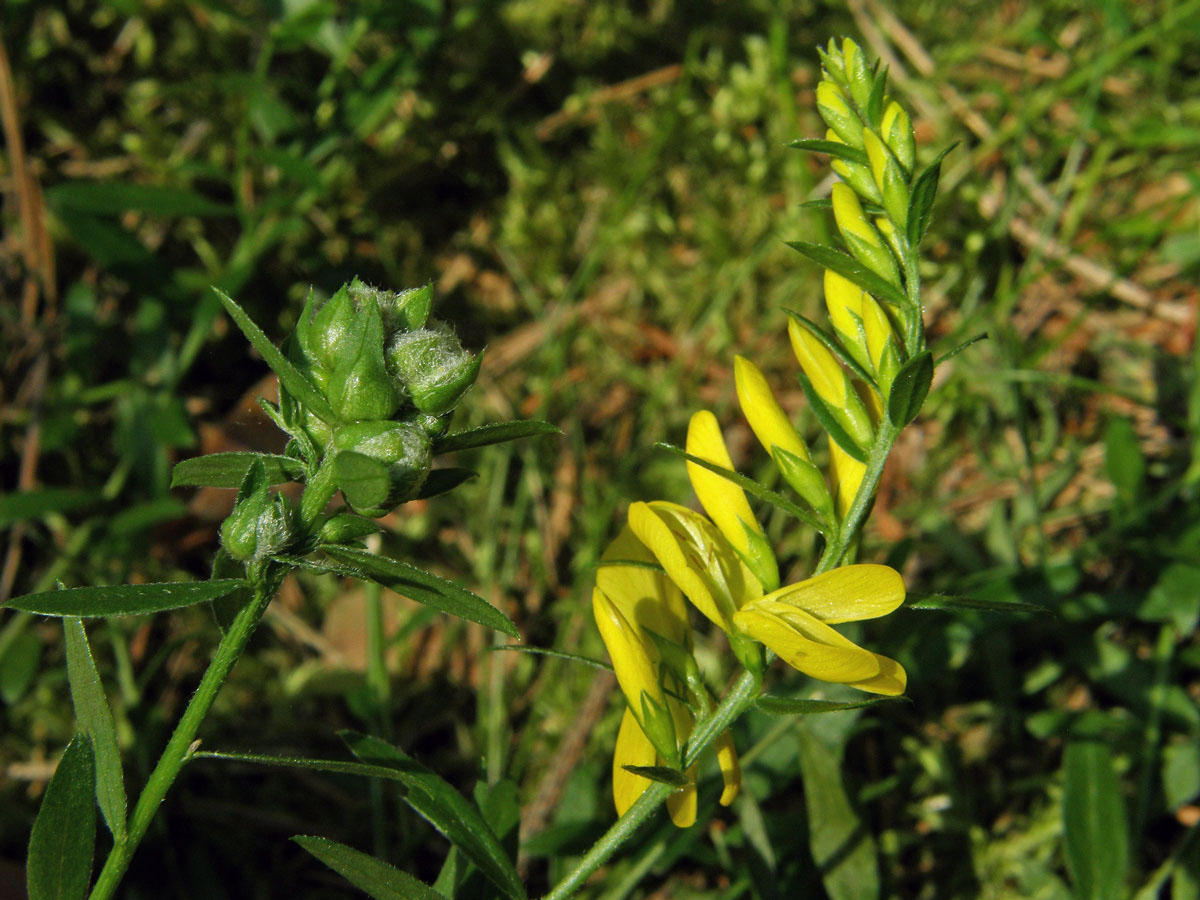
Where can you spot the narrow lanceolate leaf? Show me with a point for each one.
(94, 718)
(228, 470)
(64, 832)
(949, 601)
(445, 809)
(1095, 830)
(289, 376)
(377, 878)
(664, 774)
(496, 433)
(419, 585)
(920, 204)
(749, 485)
(833, 148)
(910, 388)
(795, 706)
(950, 354)
(124, 599)
(849, 267)
(439, 481)
(557, 654)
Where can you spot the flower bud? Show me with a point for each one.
(846, 474)
(864, 241)
(877, 328)
(835, 109)
(897, 133)
(831, 383)
(433, 367)
(329, 335)
(360, 387)
(888, 177)
(260, 524)
(403, 449)
(844, 300)
(858, 73)
(401, 310)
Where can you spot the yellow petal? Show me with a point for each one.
(682, 804)
(847, 594)
(806, 643)
(891, 680)
(647, 599)
(723, 500)
(876, 155)
(821, 367)
(848, 214)
(843, 299)
(696, 557)
(633, 749)
(630, 656)
(847, 474)
(830, 95)
(877, 327)
(767, 419)
(731, 770)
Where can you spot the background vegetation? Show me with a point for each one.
(600, 192)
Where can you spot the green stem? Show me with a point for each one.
(736, 702)
(836, 549)
(179, 748)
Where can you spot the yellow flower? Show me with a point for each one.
(631, 602)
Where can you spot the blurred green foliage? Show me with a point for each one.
(600, 193)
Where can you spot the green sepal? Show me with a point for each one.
(846, 126)
(879, 259)
(345, 527)
(659, 728)
(806, 480)
(760, 559)
(890, 363)
(874, 105)
(413, 306)
(330, 336)
(860, 179)
(858, 77)
(910, 388)
(829, 422)
(895, 193)
(831, 62)
(663, 774)
(920, 204)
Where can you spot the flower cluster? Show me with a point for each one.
(864, 380)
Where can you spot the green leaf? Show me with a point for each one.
(289, 376)
(1095, 830)
(953, 602)
(874, 110)
(795, 706)
(419, 585)
(749, 485)
(374, 876)
(21, 505)
(910, 388)
(94, 718)
(557, 654)
(227, 470)
(842, 846)
(441, 481)
(829, 422)
(662, 774)
(848, 267)
(64, 833)
(496, 433)
(110, 198)
(444, 808)
(364, 481)
(950, 354)
(123, 599)
(920, 204)
(832, 148)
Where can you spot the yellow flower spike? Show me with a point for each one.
(820, 365)
(806, 643)
(696, 557)
(767, 419)
(847, 594)
(847, 474)
(731, 770)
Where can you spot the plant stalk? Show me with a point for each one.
(180, 747)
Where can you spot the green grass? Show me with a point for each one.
(614, 249)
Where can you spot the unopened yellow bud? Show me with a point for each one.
(847, 474)
(820, 365)
(834, 108)
(876, 156)
(898, 134)
(843, 299)
(848, 214)
(767, 419)
(877, 328)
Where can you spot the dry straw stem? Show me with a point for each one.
(874, 20)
